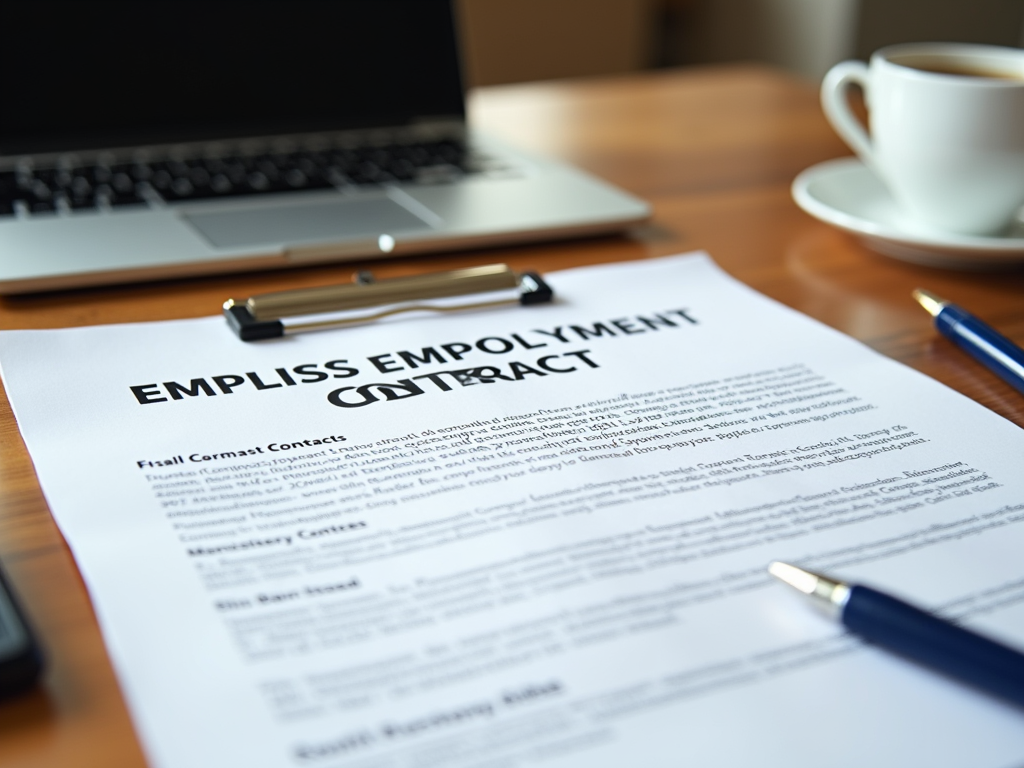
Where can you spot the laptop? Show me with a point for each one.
(144, 141)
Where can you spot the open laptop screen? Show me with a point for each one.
(82, 75)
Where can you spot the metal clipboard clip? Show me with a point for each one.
(365, 300)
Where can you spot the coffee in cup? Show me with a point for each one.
(946, 130)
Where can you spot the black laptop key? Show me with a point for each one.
(80, 186)
(258, 182)
(419, 155)
(136, 171)
(343, 159)
(215, 165)
(93, 174)
(235, 171)
(124, 200)
(43, 179)
(296, 179)
(161, 179)
(199, 176)
(33, 195)
(8, 192)
(32, 189)
(81, 202)
(267, 167)
(451, 152)
(365, 173)
(221, 184)
(62, 179)
(122, 183)
(402, 169)
(181, 188)
(116, 198)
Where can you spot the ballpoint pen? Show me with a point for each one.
(913, 633)
(983, 343)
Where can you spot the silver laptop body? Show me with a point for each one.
(249, 180)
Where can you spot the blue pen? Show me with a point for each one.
(913, 633)
(984, 344)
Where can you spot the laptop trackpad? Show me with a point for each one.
(307, 222)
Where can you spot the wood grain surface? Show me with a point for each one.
(714, 150)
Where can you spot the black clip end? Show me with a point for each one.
(248, 327)
(533, 289)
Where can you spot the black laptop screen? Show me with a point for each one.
(79, 75)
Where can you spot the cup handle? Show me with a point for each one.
(837, 108)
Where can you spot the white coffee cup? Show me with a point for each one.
(946, 130)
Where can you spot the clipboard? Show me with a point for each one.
(272, 315)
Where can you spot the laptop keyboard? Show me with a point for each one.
(89, 188)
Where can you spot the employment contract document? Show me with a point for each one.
(528, 537)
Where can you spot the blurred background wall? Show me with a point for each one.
(510, 41)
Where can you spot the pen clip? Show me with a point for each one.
(263, 316)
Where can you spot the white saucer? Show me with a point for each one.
(846, 194)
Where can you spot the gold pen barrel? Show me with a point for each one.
(336, 298)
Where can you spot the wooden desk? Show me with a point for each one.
(714, 150)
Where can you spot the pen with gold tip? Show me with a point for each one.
(913, 633)
(980, 341)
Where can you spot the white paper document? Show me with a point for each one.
(535, 536)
